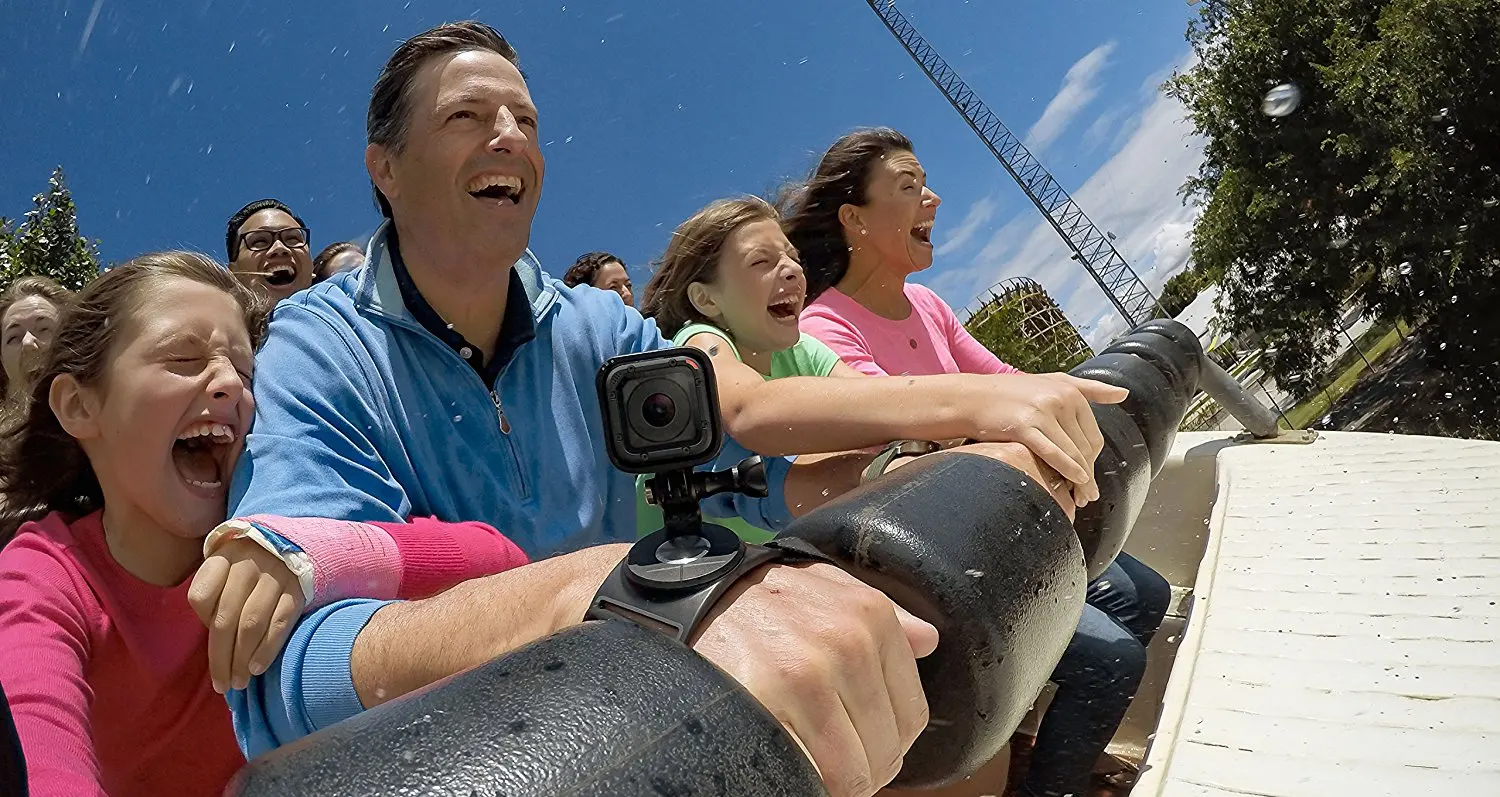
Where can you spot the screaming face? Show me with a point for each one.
(759, 291)
(273, 256)
(168, 421)
(896, 220)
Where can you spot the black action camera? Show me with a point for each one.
(661, 416)
(661, 410)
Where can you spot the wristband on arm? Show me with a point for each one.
(295, 559)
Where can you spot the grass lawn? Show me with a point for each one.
(1375, 343)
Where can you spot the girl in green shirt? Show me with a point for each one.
(730, 284)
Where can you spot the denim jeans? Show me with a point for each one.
(1097, 676)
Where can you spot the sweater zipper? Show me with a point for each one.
(500, 412)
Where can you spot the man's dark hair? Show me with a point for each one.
(810, 210)
(232, 232)
(389, 118)
(584, 268)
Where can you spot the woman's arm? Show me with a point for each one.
(810, 415)
(44, 653)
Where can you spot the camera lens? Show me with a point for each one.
(659, 410)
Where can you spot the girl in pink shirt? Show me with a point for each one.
(113, 473)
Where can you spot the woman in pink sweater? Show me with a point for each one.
(863, 223)
(112, 475)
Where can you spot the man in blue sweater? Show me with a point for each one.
(448, 376)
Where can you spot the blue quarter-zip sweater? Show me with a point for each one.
(363, 414)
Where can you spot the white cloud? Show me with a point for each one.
(1080, 87)
(978, 216)
(1134, 195)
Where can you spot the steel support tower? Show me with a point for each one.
(1091, 246)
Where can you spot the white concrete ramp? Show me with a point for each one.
(1345, 634)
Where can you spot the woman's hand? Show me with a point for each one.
(1049, 414)
(249, 600)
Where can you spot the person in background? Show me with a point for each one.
(730, 285)
(268, 248)
(603, 271)
(863, 223)
(335, 258)
(120, 464)
(28, 317)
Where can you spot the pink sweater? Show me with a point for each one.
(107, 676)
(927, 342)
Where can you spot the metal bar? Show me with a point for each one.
(1098, 256)
(1257, 419)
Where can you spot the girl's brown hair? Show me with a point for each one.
(812, 208)
(693, 256)
(25, 287)
(43, 469)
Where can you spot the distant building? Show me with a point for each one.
(1021, 324)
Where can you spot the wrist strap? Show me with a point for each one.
(678, 612)
(894, 449)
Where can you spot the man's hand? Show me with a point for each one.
(834, 660)
(249, 600)
(1049, 414)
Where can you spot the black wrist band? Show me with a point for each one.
(670, 584)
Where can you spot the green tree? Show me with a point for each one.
(1380, 187)
(1182, 288)
(48, 242)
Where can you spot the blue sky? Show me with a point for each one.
(168, 115)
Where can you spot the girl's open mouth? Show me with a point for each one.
(200, 454)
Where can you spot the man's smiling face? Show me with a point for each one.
(470, 168)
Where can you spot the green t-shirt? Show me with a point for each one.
(808, 357)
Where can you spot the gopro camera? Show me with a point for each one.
(661, 410)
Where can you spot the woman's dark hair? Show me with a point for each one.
(25, 287)
(810, 210)
(389, 117)
(43, 469)
(693, 256)
(325, 258)
(585, 267)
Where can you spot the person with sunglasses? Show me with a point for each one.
(268, 248)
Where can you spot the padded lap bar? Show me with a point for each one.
(605, 708)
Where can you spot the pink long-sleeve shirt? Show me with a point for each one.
(107, 675)
(929, 341)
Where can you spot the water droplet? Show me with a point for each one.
(1463, 228)
(1491, 202)
(1447, 395)
(458, 419)
(972, 573)
(1281, 100)
(1452, 130)
(1405, 267)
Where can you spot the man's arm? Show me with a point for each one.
(833, 659)
(406, 646)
